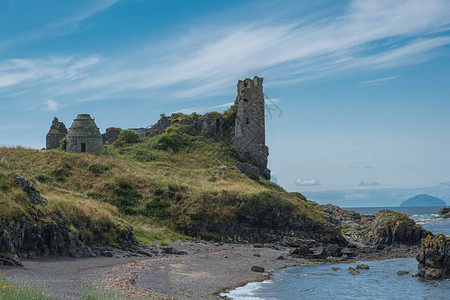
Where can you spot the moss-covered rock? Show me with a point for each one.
(434, 257)
(391, 227)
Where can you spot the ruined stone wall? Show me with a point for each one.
(92, 145)
(210, 124)
(56, 133)
(250, 122)
(111, 135)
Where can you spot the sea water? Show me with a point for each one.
(379, 282)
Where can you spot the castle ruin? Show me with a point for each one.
(57, 132)
(249, 129)
(84, 136)
(250, 135)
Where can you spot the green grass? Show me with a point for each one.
(159, 185)
(15, 291)
(21, 291)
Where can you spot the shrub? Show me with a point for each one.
(229, 121)
(158, 208)
(61, 174)
(264, 200)
(127, 197)
(175, 138)
(128, 136)
(99, 169)
(143, 154)
(63, 144)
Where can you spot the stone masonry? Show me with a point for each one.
(250, 123)
(57, 132)
(84, 136)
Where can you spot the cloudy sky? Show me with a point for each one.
(358, 91)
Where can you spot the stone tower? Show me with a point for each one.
(57, 132)
(250, 134)
(84, 136)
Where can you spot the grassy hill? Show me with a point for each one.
(168, 187)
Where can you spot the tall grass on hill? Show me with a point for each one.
(158, 185)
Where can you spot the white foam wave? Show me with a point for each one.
(247, 292)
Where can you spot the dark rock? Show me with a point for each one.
(107, 254)
(344, 257)
(170, 250)
(32, 194)
(394, 228)
(334, 250)
(444, 210)
(302, 251)
(319, 252)
(434, 257)
(362, 267)
(160, 127)
(335, 268)
(249, 170)
(281, 257)
(402, 272)
(257, 255)
(6, 260)
(258, 269)
(380, 246)
(352, 271)
(348, 252)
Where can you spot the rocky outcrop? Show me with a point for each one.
(43, 232)
(265, 225)
(160, 127)
(252, 171)
(379, 230)
(444, 212)
(394, 228)
(32, 194)
(56, 133)
(434, 257)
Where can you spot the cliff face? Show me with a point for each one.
(31, 226)
(434, 257)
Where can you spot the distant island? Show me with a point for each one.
(423, 200)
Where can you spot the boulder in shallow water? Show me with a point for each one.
(258, 269)
(352, 271)
(444, 212)
(402, 272)
(362, 267)
(434, 257)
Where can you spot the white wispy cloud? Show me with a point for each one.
(203, 109)
(52, 105)
(88, 11)
(59, 27)
(378, 80)
(202, 62)
(307, 182)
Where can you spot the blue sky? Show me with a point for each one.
(361, 88)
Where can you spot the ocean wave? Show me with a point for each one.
(248, 291)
